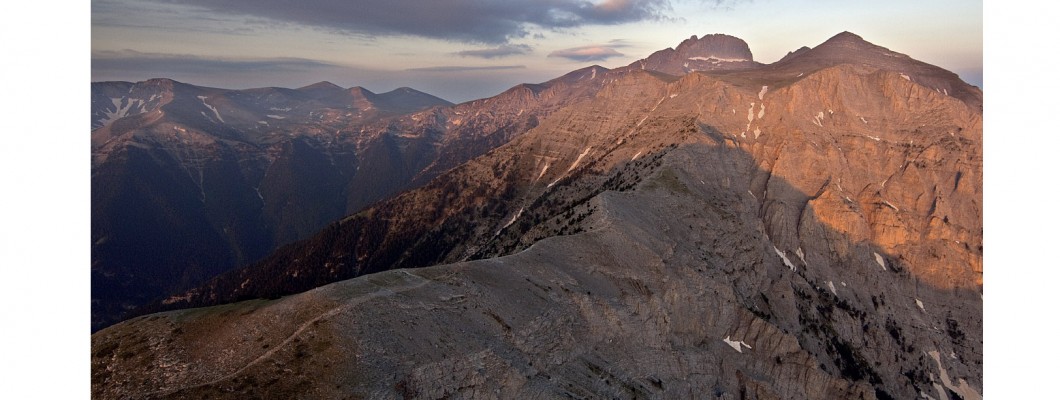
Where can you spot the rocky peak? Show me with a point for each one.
(719, 46)
(709, 53)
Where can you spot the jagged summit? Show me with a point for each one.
(709, 53)
(719, 46)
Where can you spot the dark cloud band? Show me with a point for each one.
(472, 21)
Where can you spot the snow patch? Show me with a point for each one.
(784, 256)
(818, 118)
(762, 92)
(890, 205)
(637, 155)
(802, 256)
(273, 116)
(751, 113)
(880, 260)
(758, 132)
(762, 111)
(755, 197)
(212, 108)
(716, 59)
(542, 173)
(736, 344)
(579, 159)
(962, 388)
(832, 288)
(511, 221)
(920, 304)
(594, 74)
(673, 95)
(863, 120)
(906, 77)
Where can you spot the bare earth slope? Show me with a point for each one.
(811, 230)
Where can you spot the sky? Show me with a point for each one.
(462, 50)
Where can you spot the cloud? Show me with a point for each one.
(130, 60)
(587, 53)
(497, 52)
(466, 68)
(469, 21)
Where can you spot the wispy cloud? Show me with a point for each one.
(497, 52)
(587, 53)
(470, 21)
(458, 68)
(130, 60)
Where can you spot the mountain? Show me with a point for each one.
(810, 229)
(233, 174)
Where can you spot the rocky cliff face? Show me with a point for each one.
(810, 229)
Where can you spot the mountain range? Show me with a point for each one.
(694, 224)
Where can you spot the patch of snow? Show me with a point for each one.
(673, 95)
(263, 122)
(832, 288)
(906, 77)
(784, 256)
(920, 304)
(511, 221)
(800, 74)
(880, 260)
(273, 116)
(285, 109)
(752, 194)
(802, 256)
(637, 155)
(744, 134)
(762, 111)
(818, 118)
(736, 344)
(945, 92)
(762, 92)
(594, 74)
(963, 389)
(716, 59)
(863, 120)
(876, 138)
(734, 111)
(212, 108)
(542, 171)
(890, 205)
(751, 113)
(843, 283)
(758, 132)
(579, 159)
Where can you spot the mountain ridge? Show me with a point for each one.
(804, 229)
